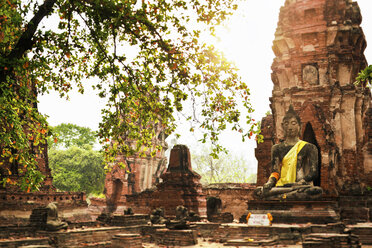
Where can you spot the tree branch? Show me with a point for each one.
(25, 41)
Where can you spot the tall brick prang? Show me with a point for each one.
(319, 47)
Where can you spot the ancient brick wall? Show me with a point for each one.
(234, 199)
(263, 150)
(319, 49)
(234, 196)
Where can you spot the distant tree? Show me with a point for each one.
(77, 169)
(68, 135)
(227, 168)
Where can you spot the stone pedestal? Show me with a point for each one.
(130, 220)
(126, 241)
(317, 212)
(221, 218)
(176, 237)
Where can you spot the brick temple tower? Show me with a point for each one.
(319, 47)
(140, 173)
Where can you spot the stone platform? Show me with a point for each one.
(363, 231)
(331, 240)
(316, 212)
(176, 237)
(130, 220)
(123, 220)
(24, 242)
(122, 240)
(333, 235)
(230, 235)
(85, 236)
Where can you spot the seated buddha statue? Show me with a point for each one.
(294, 166)
(53, 221)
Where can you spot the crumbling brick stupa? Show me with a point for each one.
(319, 47)
(180, 186)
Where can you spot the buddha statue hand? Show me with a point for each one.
(269, 185)
(301, 182)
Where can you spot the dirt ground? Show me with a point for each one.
(208, 244)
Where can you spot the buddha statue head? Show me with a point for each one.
(291, 123)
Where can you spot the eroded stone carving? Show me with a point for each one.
(310, 75)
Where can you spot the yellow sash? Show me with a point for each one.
(289, 164)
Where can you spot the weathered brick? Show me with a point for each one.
(319, 49)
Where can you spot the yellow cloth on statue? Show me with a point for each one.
(289, 164)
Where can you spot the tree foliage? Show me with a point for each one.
(94, 40)
(74, 164)
(226, 168)
(365, 76)
(68, 135)
(77, 169)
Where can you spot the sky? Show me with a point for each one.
(246, 40)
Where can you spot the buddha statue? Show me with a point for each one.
(53, 221)
(294, 166)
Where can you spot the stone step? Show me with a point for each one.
(328, 228)
(363, 231)
(251, 242)
(169, 237)
(94, 245)
(87, 236)
(122, 240)
(35, 246)
(331, 240)
(300, 216)
(14, 243)
(354, 214)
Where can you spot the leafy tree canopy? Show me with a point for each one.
(77, 169)
(92, 40)
(68, 135)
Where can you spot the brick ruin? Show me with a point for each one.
(139, 174)
(319, 49)
(180, 186)
(16, 205)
